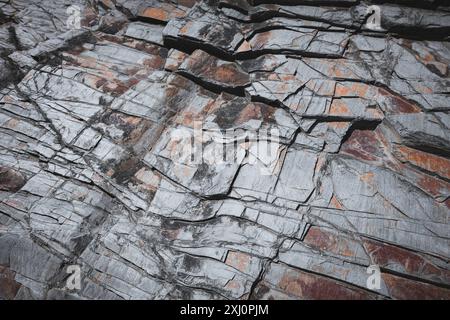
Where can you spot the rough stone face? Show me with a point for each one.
(324, 148)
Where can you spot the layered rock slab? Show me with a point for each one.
(98, 155)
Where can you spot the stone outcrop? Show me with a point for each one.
(99, 101)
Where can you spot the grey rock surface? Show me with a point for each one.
(339, 157)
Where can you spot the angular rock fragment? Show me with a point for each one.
(304, 286)
(11, 180)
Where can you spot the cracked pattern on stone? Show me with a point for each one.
(88, 173)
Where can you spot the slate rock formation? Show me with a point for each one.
(92, 94)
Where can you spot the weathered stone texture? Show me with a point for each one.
(95, 123)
